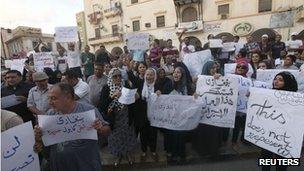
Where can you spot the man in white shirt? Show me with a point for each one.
(81, 88)
(37, 101)
(293, 44)
(185, 46)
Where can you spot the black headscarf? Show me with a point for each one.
(290, 82)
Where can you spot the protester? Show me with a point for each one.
(57, 76)
(62, 63)
(287, 82)
(210, 146)
(155, 54)
(122, 139)
(289, 61)
(96, 83)
(265, 46)
(101, 55)
(185, 46)
(265, 64)
(81, 154)
(177, 139)
(251, 46)
(170, 51)
(254, 62)
(87, 59)
(293, 45)
(81, 88)
(20, 89)
(37, 100)
(277, 47)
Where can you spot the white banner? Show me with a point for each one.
(269, 74)
(260, 84)
(220, 96)
(18, 64)
(196, 61)
(215, 43)
(17, 149)
(43, 60)
(127, 96)
(275, 121)
(66, 34)
(138, 41)
(174, 112)
(61, 128)
(7, 63)
(244, 85)
(228, 47)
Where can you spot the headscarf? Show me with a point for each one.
(182, 86)
(148, 88)
(113, 88)
(242, 62)
(290, 82)
(207, 67)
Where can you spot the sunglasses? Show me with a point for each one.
(116, 76)
(241, 66)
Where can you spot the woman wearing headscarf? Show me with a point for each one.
(144, 81)
(177, 139)
(208, 146)
(287, 82)
(122, 139)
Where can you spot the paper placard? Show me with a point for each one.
(61, 128)
(66, 34)
(138, 41)
(127, 96)
(17, 152)
(43, 60)
(220, 96)
(275, 120)
(174, 112)
(196, 61)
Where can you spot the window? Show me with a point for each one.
(189, 14)
(97, 32)
(136, 25)
(160, 21)
(134, 1)
(265, 5)
(115, 29)
(223, 9)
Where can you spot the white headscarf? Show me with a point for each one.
(148, 88)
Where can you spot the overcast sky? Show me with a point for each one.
(44, 14)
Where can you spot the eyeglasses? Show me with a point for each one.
(241, 66)
(116, 76)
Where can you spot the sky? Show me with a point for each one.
(44, 14)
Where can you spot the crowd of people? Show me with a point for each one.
(95, 82)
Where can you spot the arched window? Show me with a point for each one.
(229, 36)
(257, 35)
(189, 14)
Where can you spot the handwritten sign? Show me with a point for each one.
(138, 41)
(228, 47)
(243, 86)
(196, 61)
(220, 96)
(17, 149)
(215, 43)
(9, 101)
(260, 84)
(61, 128)
(66, 34)
(43, 60)
(18, 64)
(274, 121)
(127, 96)
(174, 112)
(268, 75)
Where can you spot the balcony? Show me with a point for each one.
(95, 17)
(110, 38)
(112, 12)
(185, 2)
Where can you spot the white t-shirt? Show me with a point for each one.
(73, 59)
(82, 90)
(62, 63)
(295, 44)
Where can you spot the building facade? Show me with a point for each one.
(108, 21)
(23, 40)
(81, 25)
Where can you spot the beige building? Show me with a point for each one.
(81, 24)
(108, 21)
(23, 40)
